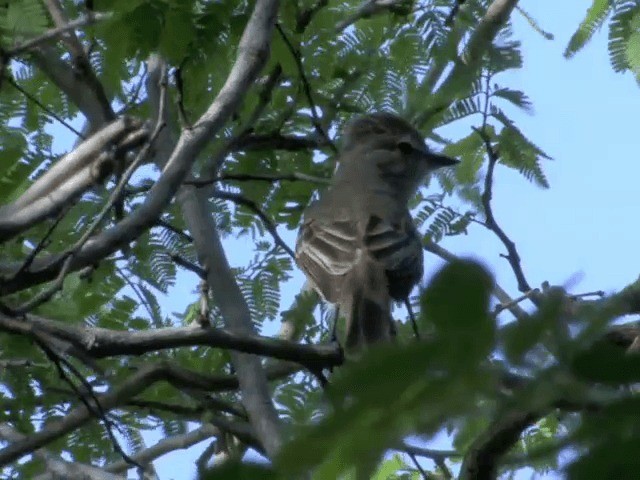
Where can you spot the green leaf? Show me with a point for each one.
(613, 459)
(633, 45)
(595, 17)
(456, 302)
(389, 468)
(621, 28)
(239, 471)
(177, 35)
(515, 97)
(607, 363)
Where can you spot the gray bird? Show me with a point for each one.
(358, 245)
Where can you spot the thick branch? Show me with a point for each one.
(254, 49)
(101, 342)
(67, 179)
(481, 459)
(82, 88)
(186, 440)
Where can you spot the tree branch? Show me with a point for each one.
(266, 221)
(183, 441)
(512, 253)
(481, 459)
(133, 385)
(261, 177)
(102, 342)
(253, 51)
(57, 467)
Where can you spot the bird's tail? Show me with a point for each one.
(367, 308)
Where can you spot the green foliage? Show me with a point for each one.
(21, 19)
(397, 61)
(393, 390)
(595, 17)
(239, 471)
(623, 32)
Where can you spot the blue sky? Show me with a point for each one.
(582, 229)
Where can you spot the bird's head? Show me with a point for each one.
(390, 132)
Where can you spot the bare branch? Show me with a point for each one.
(253, 50)
(481, 459)
(263, 177)
(65, 180)
(465, 67)
(192, 267)
(429, 453)
(178, 442)
(82, 87)
(181, 233)
(307, 89)
(102, 342)
(512, 253)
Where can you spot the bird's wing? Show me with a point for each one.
(396, 244)
(326, 250)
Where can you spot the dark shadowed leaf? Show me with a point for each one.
(607, 363)
(615, 459)
(457, 303)
(240, 471)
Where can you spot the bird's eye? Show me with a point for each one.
(405, 147)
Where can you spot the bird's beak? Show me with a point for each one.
(439, 160)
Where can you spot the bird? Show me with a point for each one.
(357, 244)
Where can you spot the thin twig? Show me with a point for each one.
(452, 14)
(42, 106)
(307, 89)
(42, 244)
(96, 411)
(182, 113)
(264, 177)
(512, 253)
(506, 306)
(192, 267)
(413, 458)
(181, 233)
(266, 221)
